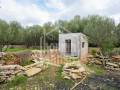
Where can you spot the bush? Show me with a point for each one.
(17, 80)
(25, 62)
(59, 72)
(93, 52)
(115, 52)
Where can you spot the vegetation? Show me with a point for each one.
(25, 62)
(11, 59)
(97, 70)
(18, 80)
(93, 52)
(60, 80)
(101, 31)
(17, 49)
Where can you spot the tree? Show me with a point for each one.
(51, 33)
(76, 25)
(33, 35)
(100, 31)
(117, 33)
(14, 30)
(4, 34)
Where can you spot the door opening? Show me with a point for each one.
(68, 46)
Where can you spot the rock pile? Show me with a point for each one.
(9, 59)
(74, 71)
(37, 55)
(7, 72)
(35, 68)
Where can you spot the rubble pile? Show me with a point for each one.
(9, 59)
(36, 55)
(35, 68)
(7, 72)
(74, 71)
(109, 63)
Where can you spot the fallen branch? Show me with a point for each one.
(78, 83)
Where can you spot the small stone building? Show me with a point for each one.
(73, 44)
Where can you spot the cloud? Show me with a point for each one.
(30, 12)
(57, 4)
(25, 14)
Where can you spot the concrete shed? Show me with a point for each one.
(73, 44)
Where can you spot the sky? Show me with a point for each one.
(31, 12)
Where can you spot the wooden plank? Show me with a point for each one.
(32, 71)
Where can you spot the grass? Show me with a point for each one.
(59, 78)
(59, 72)
(70, 59)
(96, 69)
(16, 49)
(17, 80)
(21, 49)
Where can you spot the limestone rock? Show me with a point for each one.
(74, 70)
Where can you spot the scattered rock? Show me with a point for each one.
(7, 72)
(74, 71)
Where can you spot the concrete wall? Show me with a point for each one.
(84, 50)
(76, 44)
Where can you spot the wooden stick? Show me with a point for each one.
(78, 83)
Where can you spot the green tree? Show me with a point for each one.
(4, 34)
(14, 30)
(100, 31)
(33, 35)
(117, 33)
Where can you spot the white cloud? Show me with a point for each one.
(32, 13)
(57, 4)
(25, 14)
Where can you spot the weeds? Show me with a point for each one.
(96, 69)
(25, 62)
(17, 80)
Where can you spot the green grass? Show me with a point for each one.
(17, 80)
(21, 49)
(16, 49)
(70, 59)
(59, 72)
(59, 78)
(96, 69)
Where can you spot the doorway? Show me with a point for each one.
(68, 46)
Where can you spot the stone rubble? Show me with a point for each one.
(111, 63)
(7, 72)
(74, 71)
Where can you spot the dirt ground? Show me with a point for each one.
(109, 81)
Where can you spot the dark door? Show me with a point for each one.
(68, 46)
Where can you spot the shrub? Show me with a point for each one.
(25, 62)
(59, 72)
(115, 52)
(93, 52)
(17, 80)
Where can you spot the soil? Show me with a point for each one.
(109, 81)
